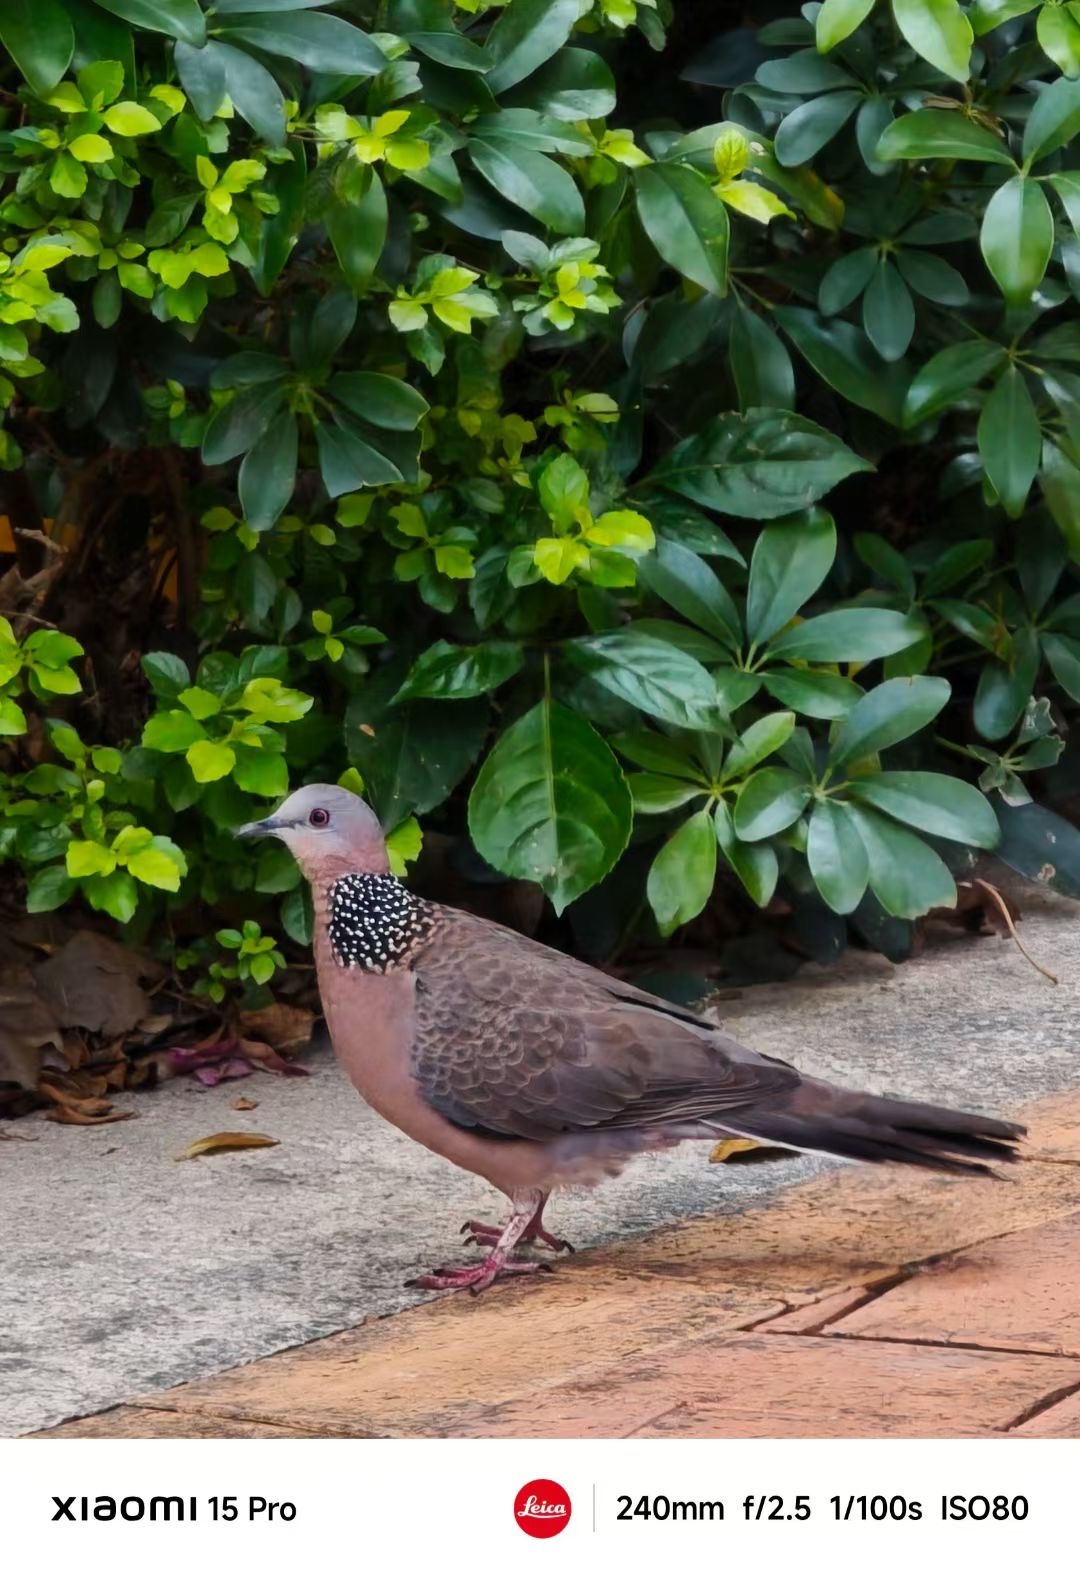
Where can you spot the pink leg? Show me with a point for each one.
(477, 1277)
(536, 1233)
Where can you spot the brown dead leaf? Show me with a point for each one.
(242, 1104)
(92, 982)
(27, 1027)
(224, 1142)
(77, 1114)
(282, 1025)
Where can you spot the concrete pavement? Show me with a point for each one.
(126, 1272)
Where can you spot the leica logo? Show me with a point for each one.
(542, 1508)
(535, 1508)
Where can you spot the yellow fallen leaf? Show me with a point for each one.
(225, 1141)
(726, 1148)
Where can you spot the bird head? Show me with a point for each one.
(327, 829)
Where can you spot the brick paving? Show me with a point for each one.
(866, 1303)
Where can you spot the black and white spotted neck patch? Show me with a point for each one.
(375, 921)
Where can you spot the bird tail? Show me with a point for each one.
(861, 1128)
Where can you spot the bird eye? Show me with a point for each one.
(319, 817)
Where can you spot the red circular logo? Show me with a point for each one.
(542, 1508)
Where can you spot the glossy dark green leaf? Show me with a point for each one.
(1057, 28)
(268, 474)
(319, 42)
(574, 85)
(655, 795)
(1063, 655)
(803, 72)
(939, 31)
(758, 465)
(456, 673)
(942, 134)
(254, 92)
(760, 363)
(807, 129)
(888, 312)
(38, 36)
(889, 566)
(658, 754)
(769, 801)
(652, 675)
(682, 876)
(1010, 441)
(414, 755)
(387, 402)
(348, 461)
(202, 77)
(906, 877)
(815, 694)
(686, 223)
(526, 35)
(551, 804)
(241, 423)
(847, 635)
(530, 181)
(930, 276)
(1003, 690)
(1054, 119)
(844, 357)
(687, 584)
(845, 280)
(761, 740)
(755, 865)
(836, 856)
(1017, 237)
(791, 559)
(953, 374)
(932, 802)
(180, 19)
(838, 19)
(1041, 845)
(889, 713)
(357, 232)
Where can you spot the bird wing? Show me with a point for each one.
(520, 1041)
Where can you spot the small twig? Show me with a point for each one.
(9, 1134)
(40, 537)
(1007, 918)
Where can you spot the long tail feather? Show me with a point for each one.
(824, 1118)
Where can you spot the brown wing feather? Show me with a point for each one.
(518, 1040)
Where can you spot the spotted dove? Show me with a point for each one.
(535, 1070)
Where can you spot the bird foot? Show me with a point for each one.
(484, 1234)
(475, 1277)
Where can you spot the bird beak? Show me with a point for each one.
(267, 828)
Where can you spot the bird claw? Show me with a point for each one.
(476, 1277)
(487, 1236)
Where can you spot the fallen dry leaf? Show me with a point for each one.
(283, 1025)
(242, 1104)
(224, 1142)
(737, 1152)
(80, 1115)
(93, 982)
(726, 1148)
(9, 1134)
(27, 1027)
(214, 1061)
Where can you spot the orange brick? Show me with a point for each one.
(1018, 1291)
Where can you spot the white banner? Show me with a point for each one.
(169, 1507)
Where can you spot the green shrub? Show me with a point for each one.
(459, 420)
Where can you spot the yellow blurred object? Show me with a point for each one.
(727, 1148)
(7, 536)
